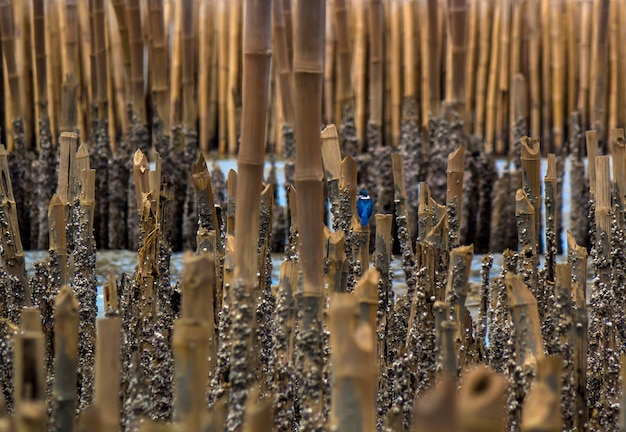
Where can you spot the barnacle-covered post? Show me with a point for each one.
(550, 203)
(525, 215)
(308, 67)
(257, 39)
(354, 369)
(331, 156)
(66, 360)
(456, 292)
(454, 194)
(531, 182)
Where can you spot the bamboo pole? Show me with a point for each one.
(354, 367)
(66, 359)
(281, 58)
(531, 161)
(457, 37)
(58, 240)
(485, 18)
(550, 182)
(108, 370)
(591, 143)
(492, 86)
(222, 67)
(481, 402)
(330, 48)
(234, 37)
(206, 74)
(598, 85)
(573, 10)
(559, 78)
(585, 61)
(342, 31)
(534, 68)
(359, 66)
(613, 85)
(159, 58)
(395, 76)
(454, 193)
(542, 407)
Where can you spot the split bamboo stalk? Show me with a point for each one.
(191, 350)
(454, 193)
(354, 366)
(492, 86)
(13, 252)
(434, 44)
(559, 77)
(234, 26)
(523, 306)
(457, 36)
(108, 371)
(159, 58)
(66, 358)
(222, 38)
(395, 76)
(542, 407)
(534, 69)
(482, 399)
(585, 61)
(599, 60)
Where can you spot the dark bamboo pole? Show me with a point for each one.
(66, 359)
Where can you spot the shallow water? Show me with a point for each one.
(122, 261)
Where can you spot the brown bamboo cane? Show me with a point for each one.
(234, 37)
(456, 291)
(583, 104)
(100, 77)
(423, 25)
(116, 66)
(66, 358)
(359, 66)
(613, 88)
(435, 43)
(222, 67)
(534, 68)
(573, 52)
(85, 64)
(376, 63)
(188, 70)
(330, 48)
(482, 399)
(283, 66)
(515, 62)
(531, 180)
(9, 52)
(206, 78)
(542, 407)
(342, 30)
(546, 73)
(558, 66)
(159, 56)
(471, 60)
(58, 239)
(435, 411)
(395, 76)
(491, 101)
(523, 307)
(176, 69)
(410, 48)
(591, 143)
(502, 103)
(108, 371)
(618, 150)
(354, 366)
(119, 8)
(454, 193)
(622, 58)
(484, 46)
(13, 256)
(550, 182)
(457, 35)
(598, 82)
(386, 136)
(136, 44)
(24, 63)
(40, 58)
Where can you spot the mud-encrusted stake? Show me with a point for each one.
(12, 250)
(354, 369)
(66, 360)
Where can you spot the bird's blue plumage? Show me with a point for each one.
(364, 207)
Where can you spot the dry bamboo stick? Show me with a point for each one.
(344, 92)
(599, 60)
(542, 407)
(485, 18)
(40, 56)
(591, 142)
(434, 61)
(546, 73)
(136, 45)
(359, 66)
(491, 99)
(330, 48)
(534, 69)
(482, 399)
(454, 193)
(108, 370)
(457, 36)
(502, 104)
(283, 66)
(618, 150)
(234, 26)
(395, 77)
(523, 306)
(222, 38)
(550, 182)
(354, 366)
(573, 53)
(66, 359)
(456, 290)
(411, 48)
(558, 67)
(376, 63)
(9, 52)
(531, 181)
(583, 104)
(206, 53)
(58, 239)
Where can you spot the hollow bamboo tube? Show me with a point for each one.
(58, 239)
(354, 368)
(281, 58)
(481, 401)
(599, 60)
(342, 31)
(542, 407)
(159, 58)
(66, 358)
(558, 53)
(454, 193)
(13, 252)
(191, 350)
(491, 100)
(436, 410)
(585, 60)
(395, 75)
(457, 36)
(222, 67)
(256, 76)
(523, 306)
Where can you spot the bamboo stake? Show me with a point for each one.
(359, 66)
(585, 61)
(66, 358)
(618, 149)
(454, 193)
(283, 66)
(354, 367)
(613, 88)
(482, 400)
(159, 57)
(591, 142)
(337, 275)
(502, 103)
(330, 48)
(558, 52)
(58, 239)
(456, 291)
(206, 75)
(457, 36)
(108, 370)
(491, 100)
(395, 76)
(550, 182)
(376, 57)
(573, 52)
(235, 12)
(485, 18)
(531, 161)
(222, 67)
(344, 92)
(598, 83)
(542, 407)
(534, 68)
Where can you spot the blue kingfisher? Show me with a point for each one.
(364, 207)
